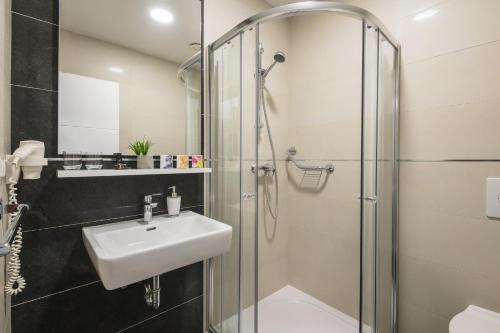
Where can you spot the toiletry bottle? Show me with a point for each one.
(173, 203)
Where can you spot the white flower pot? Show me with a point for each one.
(145, 162)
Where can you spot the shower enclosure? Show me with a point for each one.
(303, 106)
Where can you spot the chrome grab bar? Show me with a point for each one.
(329, 167)
(11, 230)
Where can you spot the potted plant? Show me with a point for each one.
(141, 148)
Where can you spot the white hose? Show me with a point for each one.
(15, 282)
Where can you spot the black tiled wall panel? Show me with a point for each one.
(63, 292)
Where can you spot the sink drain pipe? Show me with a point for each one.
(152, 292)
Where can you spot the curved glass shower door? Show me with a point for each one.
(303, 103)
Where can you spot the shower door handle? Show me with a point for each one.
(246, 196)
(371, 198)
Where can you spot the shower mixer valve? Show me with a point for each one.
(266, 167)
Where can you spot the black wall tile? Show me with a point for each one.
(54, 260)
(47, 10)
(182, 319)
(34, 117)
(61, 295)
(93, 309)
(34, 53)
(62, 201)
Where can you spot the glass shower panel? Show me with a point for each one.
(225, 184)
(248, 181)
(379, 177)
(386, 171)
(369, 179)
(233, 183)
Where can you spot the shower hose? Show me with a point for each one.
(274, 213)
(15, 282)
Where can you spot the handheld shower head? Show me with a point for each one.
(279, 57)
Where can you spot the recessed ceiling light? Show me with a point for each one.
(425, 14)
(116, 69)
(161, 15)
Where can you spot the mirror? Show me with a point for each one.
(128, 70)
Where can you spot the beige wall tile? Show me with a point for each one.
(412, 7)
(273, 235)
(458, 24)
(455, 188)
(431, 224)
(387, 11)
(273, 276)
(468, 76)
(466, 131)
(450, 83)
(324, 236)
(275, 36)
(413, 319)
(442, 290)
(325, 87)
(222, 15)
(447, 245)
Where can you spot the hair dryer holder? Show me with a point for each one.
(31, 166)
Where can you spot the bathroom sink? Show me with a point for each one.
(132, 251)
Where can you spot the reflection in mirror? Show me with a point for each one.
(128, 74)
(190, 75)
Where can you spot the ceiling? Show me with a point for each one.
(128, 23)
(275, 3)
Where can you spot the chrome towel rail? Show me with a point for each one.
(11, 230)
(329, 167)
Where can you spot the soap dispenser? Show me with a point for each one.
(173, 203)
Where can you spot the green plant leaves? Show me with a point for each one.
(140, 147)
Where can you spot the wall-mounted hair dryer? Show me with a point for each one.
(29, 158)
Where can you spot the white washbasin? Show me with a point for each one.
(132, 251)
(475, 320)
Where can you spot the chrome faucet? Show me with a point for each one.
(149, 205)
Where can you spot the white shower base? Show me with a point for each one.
(290, 310)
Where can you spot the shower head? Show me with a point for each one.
(279, 57)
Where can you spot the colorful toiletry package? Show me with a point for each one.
(196, 161)
(182, 161)
(166, 161)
